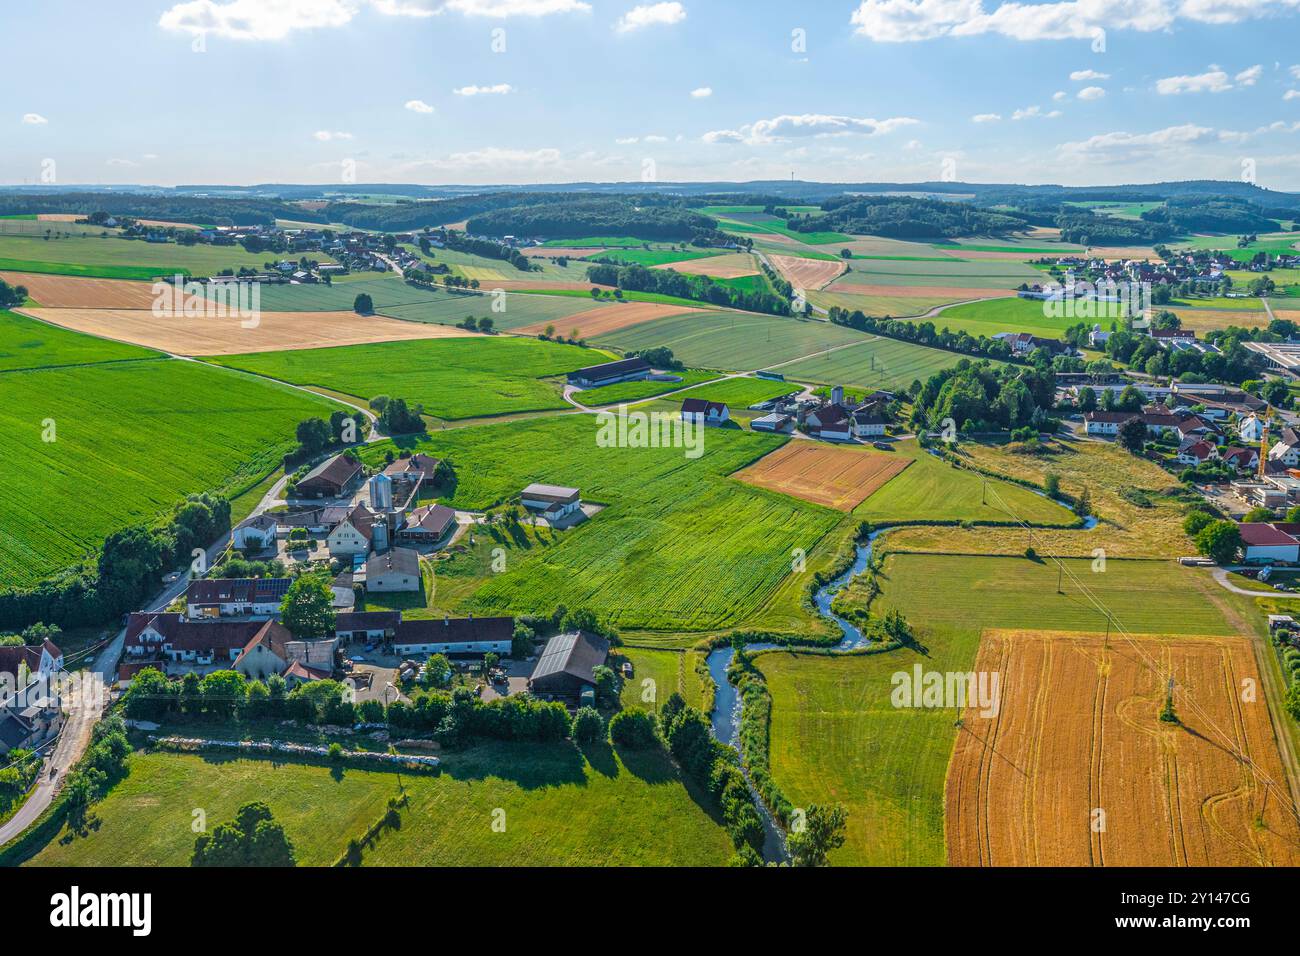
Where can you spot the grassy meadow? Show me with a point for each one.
(453, 378)
(882, 363)
(28, 344)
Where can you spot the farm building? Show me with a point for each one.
(427, 525)
(830, 422)
(265, 653)
(380, 488)
(395, 570)
(704, 412)
(170, 637)
(366, 625)
(627, 370)
(255, 533)
(455, 636)
(418, 467)
(20, 664)
(1268, 544)
(354, 534)
(782, 424)
(564, 669)
(334, 478)
(553, 501)
(231, 597)
(1105, 423)
(869, 423)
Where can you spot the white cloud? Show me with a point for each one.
(628, 140)
(1291, 95)
(500, 89)
(1249, 77)
(1214, 81)
(125, 163)
(1080, 75)
(1295, 71)
(780, 128)
(495, 157)
(704, 92)
(1091, 93)
(650, 14)
(903, 21)
(501, 9)
(325, 135)
(985, 118)
(1060, 95)
(1034, 112)
(1121, 147)
(656, 139)
(256, 19)
(418, 106)
(276, 19)
(34, 119)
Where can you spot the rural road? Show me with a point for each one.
(83, 710)
(1221, 575)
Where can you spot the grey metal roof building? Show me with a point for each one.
(565, 666)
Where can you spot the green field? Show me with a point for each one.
(114, 258)
(453, 378)
(635, 810)
(638, 562)
(670, 672)
(933, 490)
(837, 736)
(761, 223)
(974, 273)
(130, 440)
(876, 363)
(740, 393)
(885, 306)
(734, 341)
(655, 257)
(26, 343)
(1009, 315)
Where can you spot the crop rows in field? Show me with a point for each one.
(877, 363)
(638, 562)
(130, 439)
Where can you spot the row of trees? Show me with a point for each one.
(638, 278)
(11, 296)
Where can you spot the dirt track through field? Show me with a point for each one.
(808, 274)
(69, 292)
(611, 318)
(839, 478)
(1077, 769)
(274, 331)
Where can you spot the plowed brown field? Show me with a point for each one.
(1076, 768)
(611, 318)
(69, 292)
(837, 477)
(275, 331)
(808, 274)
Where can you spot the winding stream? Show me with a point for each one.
(726, 702)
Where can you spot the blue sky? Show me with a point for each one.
(483, 91)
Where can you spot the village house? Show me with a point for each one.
(20, 664)
(1250, 428)
(1287, 448)
(1196, 452)
(455, 637)
(868, 422)
(830, 422)
(273, 650)
(701, 411)
(354, 534)
(1105, 423)
(333, 478)
(566, 664)
(626, 370)
(395, 570)
(551, 501)
(1240, 459)
(167, 637)
(233, 597)
(255, 534)
(366, 625)
(1268, 544)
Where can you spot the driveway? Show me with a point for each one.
(1221, 575)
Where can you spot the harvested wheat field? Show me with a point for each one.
(734, 265)
(808, 274)
(546, 252)
(1077, 769)
(59, 216)
(611, 318)
(1207, 320)
(840, 478)
(70, 292)
(273, 332)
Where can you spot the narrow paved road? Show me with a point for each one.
(1221, 575)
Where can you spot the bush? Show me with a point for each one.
(587, 726)
(634, 729)
(1195, 521)
(336, 751)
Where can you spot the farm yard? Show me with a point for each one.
(838, 478)
(180, 334)
(118, 424)
(1078, 731)
(454, 378)
(661, 820)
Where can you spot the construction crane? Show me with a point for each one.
(1263, 451)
